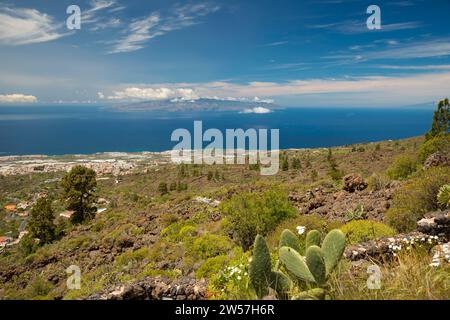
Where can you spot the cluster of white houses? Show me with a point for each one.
(107, 166)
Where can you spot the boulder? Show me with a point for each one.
(435, 223)
(354, 182)
(436, 159)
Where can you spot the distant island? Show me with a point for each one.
(174, 105)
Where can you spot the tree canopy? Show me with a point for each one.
(41, 223)
(79, 191)
(441, 120)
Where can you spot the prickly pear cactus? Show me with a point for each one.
(289, 239)
(313, 238)
(295, 264)
(313, 294)
(260, 267)
(333, 247)
(316, 264)
(281, 284)
(313, 268)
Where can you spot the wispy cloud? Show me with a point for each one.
(401, 3)
(288, 66)
(431, 48)
(275, 44)
(89, 16)
(140, 31)
(100, 21)
(20, 26)
(17, 98)
(424, 67)
(420, 49)
(359, 26)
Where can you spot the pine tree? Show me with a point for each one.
(79, 191)
(41, 223)
(285, 163)
(314, 175)
(296, 164)
(329, 155)
(334, 171)
(162, 188)
(217, 175)
(441, 120)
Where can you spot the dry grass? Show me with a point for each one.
(408, 277)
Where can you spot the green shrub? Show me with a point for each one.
(132, 256)
(416, 198)
(256, 213)
(211, 245)
(177, 230)
(443, 196)
(403, 167)
(39, 288)
(437, 144)
(162, 188)
(377, 182)
(28, 245)
(211, 267)
(364, 230)
(336, 174)
(187, 231)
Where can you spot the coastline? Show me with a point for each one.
(120, 163)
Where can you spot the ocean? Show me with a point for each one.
(58, 130)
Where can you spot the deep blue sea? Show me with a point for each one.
(60, 130)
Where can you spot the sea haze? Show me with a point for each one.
(60, 130)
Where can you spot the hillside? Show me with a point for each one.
(188, 236)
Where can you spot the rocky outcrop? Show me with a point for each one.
(354, 182)
(436, 159)
(435, 223)
(160, 288)
(385, 248)
(335, 205)
(432, 230)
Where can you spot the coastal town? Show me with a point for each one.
(111, 163)
(107, 166)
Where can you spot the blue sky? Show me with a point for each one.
(295, 53)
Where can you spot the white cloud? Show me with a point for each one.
(155, 25)
(17, 98)
(259, 110)
(21, 26)
(380, 90)
(175, 92)
(135, 93)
